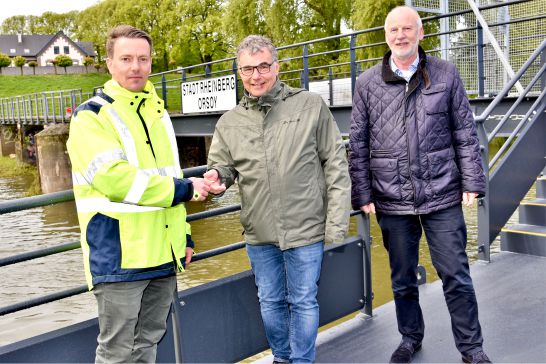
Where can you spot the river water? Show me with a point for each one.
(28, 230)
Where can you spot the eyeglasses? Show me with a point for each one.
(261, 68)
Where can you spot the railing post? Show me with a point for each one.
(234, 69)
(207, 71)
(543, 77)
(363, 226)
(484, 218)
(164, 89)
(331, 85)
(36, 109)
(183, 80)
(305, 77)
(61, 105)
(353, 64)
(73, 101)
(481, 66)
(45, 107)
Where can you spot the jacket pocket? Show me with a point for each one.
(435, 99)
(103, 239)
(385, 179)
(444, 174)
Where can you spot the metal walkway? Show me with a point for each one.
(511, 292)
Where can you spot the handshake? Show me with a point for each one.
(210, 183)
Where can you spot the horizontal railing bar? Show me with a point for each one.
(43, 300)
(65, 196)
(218, 251)
(39, 253)
(82, 289)
(212, 212)
(36, 201)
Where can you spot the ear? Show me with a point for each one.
(109, 64)
(421, 33)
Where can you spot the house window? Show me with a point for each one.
(12, 50)
(56, 50)
(26, 50)
(66, 50)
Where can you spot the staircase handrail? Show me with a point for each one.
(497, 100)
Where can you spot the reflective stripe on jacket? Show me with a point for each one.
(286, 152)
(124, 185)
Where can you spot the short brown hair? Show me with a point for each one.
(125, 31)
(255, 43)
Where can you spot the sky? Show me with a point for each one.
(9, 8)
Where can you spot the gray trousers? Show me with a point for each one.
(132, 319)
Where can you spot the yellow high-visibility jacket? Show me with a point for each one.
(128, 186)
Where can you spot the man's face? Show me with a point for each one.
(256, 83)
(130, 63)
(403, 34)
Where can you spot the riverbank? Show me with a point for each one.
(10, 168)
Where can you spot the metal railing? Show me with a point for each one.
(519, 160)
(331, 65)
(64, 196)
(40, 108)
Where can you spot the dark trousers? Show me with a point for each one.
(445, 231)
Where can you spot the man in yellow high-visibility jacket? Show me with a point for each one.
(129, 191)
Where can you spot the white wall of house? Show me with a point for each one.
(49, 54)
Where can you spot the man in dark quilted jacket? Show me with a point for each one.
(415, 160)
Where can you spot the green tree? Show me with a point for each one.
(200, 24)
(64, 61)
(88, 61)
(51, 23)
(5, 61)
(15, 25)
(94, 23)
(33, 64)
(19, 61)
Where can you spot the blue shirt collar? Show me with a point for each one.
(405, 74)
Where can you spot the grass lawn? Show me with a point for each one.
(23, 85)
(29, 84)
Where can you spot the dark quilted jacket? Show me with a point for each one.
(414, 147)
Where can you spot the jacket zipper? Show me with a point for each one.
(408, 147)
(148, 141)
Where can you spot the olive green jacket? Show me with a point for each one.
(286, 153)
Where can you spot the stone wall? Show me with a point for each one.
(53, 161)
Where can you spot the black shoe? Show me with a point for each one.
(477, 357)
(404, 352)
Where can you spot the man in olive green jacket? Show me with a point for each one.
(284, 149)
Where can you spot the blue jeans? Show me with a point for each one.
(287, 289)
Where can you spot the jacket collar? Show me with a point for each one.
(113, 89)
(390, 77)
(280, 91)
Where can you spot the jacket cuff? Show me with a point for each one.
(183, 190)
(189, 242)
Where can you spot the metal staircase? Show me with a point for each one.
(529, 235)
(513, 170)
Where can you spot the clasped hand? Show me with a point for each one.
(210, 183)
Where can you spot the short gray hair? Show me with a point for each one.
(419, 22)
(254, 43)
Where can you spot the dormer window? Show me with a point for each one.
(26, 50)
(12, 50)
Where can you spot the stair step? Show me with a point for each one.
(541, 187)
(525, 239)
(533, 212)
